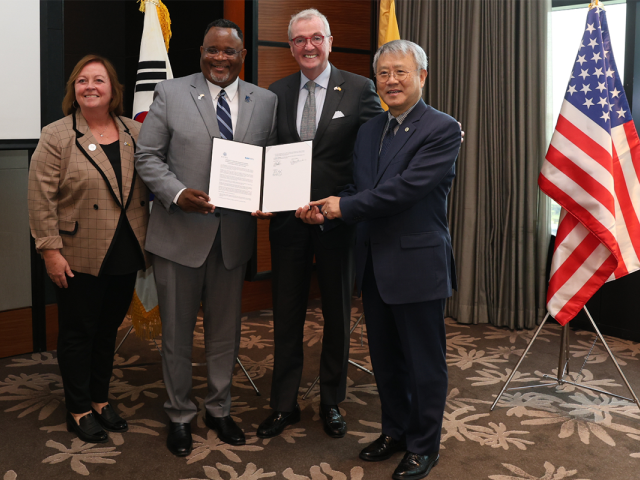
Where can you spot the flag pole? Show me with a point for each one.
(563, 365)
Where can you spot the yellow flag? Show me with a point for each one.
(387, 27)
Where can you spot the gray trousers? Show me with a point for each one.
(180, 291)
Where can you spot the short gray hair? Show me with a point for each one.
(403, 46)
(308, 14)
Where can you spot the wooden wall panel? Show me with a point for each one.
(234, 11)
(264, 252)
(352, 62)
(17, 332)
(350, 20)
(275, 63)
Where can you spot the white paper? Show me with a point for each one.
(287, 177)
(236, 174)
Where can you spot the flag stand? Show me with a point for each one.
(563, 364)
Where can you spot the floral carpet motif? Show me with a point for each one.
(541, 433)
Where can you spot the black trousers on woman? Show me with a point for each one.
(90, 311)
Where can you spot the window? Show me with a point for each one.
(567, 26)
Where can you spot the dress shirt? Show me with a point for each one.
(322, 81)
(232, 99)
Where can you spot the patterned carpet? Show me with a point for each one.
(542, 433)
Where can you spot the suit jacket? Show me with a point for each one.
(332, 166)
(74, 198)
(401, 205)
(174, 152)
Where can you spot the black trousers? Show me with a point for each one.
(90, 311)
(407, 343)
(293, 247)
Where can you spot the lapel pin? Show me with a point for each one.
(337, 88)
(126, 144)
(406, 129)
(247, 99)
(92, 147)
(201, 96)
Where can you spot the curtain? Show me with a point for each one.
(487, 69)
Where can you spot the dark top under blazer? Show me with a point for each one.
(401, 208)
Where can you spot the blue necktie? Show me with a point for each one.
(224, 117)
(388, 138)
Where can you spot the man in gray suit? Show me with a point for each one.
(200, 251)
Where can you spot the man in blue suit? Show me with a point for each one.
(403, 168)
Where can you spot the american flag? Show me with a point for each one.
(592, 170)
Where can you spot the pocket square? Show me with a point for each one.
(338, 114)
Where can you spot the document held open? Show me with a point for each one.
(249, 178)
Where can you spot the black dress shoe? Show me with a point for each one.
(382, 448)
(414, 466)
(274, 424)
(110, 420)
(87, 429)
(332, 422)
(226, 428)
(179, 441)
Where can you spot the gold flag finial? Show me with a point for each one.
(595, 4)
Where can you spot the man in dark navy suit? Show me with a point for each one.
(403, 168)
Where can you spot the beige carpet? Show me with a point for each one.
(542, 433)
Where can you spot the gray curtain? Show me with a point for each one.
(487, 68)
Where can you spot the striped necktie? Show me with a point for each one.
(308, 123)
(224, 117)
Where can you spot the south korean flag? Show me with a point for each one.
(154, 65)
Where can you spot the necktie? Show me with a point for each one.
(224, 117)
(308, 123)
(388, 138)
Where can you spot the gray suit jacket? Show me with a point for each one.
(174, 152)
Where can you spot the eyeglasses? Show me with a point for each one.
(316, 40)
(400, 75)
(228, 53)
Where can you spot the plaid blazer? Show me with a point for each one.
(74, 199)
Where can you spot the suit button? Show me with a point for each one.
(142, 203)
(217, 214)
(95, 207)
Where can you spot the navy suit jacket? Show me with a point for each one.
(400, 206)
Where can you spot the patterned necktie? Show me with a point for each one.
(308, 123)
(388, 138)
(224, 117)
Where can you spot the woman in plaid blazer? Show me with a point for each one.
(88, 214)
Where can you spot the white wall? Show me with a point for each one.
(19, 69)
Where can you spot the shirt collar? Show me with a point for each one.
(230, 89)
(400, 118)
(322, 79)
